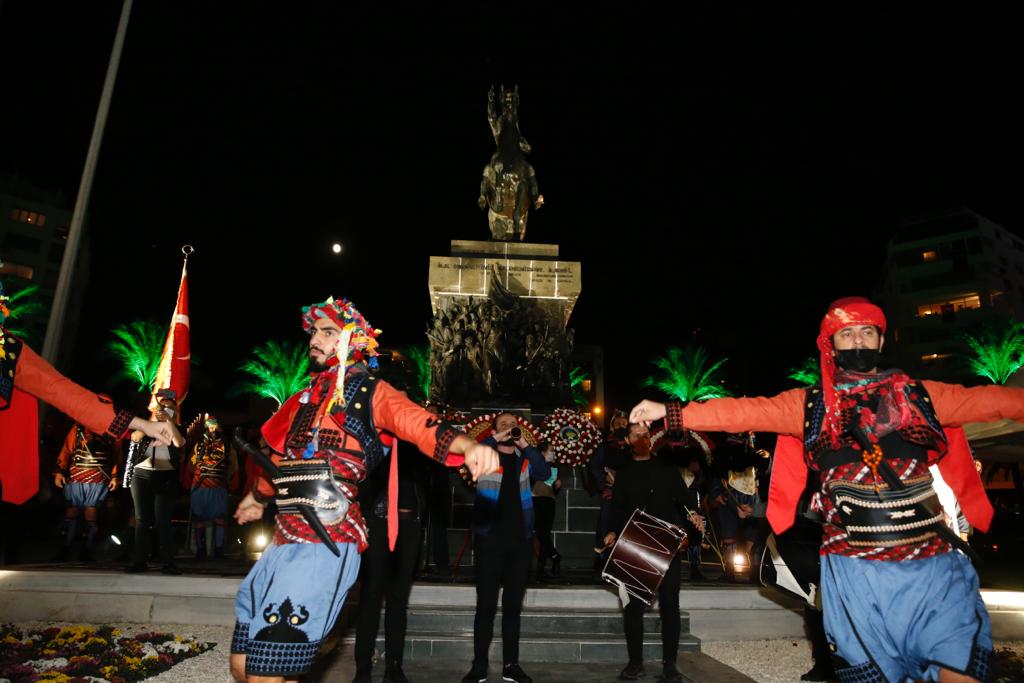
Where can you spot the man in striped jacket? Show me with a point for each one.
(503, 523)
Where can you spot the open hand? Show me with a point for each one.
(163, 433)
(249, 510)
(647, 412)
(481, 460)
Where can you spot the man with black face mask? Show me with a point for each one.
(899, 603)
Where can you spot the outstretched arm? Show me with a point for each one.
(782, 414)
(35, 376)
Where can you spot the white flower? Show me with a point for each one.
(175, 647)
(48, 664)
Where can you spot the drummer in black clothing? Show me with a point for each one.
(653, 484)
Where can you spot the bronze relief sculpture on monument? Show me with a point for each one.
(509, 184)
(499, 347)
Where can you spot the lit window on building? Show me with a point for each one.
(931, 358)
(16, 270)
(971, 301)
(586, 386)
(929, 256)
(30, 217)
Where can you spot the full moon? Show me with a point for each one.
(336, 248)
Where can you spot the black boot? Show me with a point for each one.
(393, 673)
(814, 624)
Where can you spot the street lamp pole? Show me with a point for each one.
(55, 326)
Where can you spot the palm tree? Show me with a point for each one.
(21, 307)
(278, 369)
(576, 379)
(139, 345)
(420, 357)
(997, 352)
(686, 375)
(806, 374)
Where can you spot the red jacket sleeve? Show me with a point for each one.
(782, 414)
(35, 376)
(394, 412)
(66, 451)
(956, 405)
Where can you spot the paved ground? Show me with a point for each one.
(764, 661)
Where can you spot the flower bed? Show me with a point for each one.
(80, 654)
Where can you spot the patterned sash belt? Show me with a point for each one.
(887, 518)
(310, 482)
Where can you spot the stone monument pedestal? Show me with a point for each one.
(529, 271)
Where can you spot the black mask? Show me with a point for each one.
(858, 360)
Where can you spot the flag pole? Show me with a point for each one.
(55, 325)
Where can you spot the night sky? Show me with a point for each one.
(722, 176)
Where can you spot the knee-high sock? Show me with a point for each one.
(70, 529)
(218, 534)
(200, 535)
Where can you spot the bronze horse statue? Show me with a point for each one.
(509, 184)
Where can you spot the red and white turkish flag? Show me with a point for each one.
(175, 369)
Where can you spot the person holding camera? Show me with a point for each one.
(151, 474)
(503, 526)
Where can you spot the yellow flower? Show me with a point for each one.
(116, 632)
(11, 640)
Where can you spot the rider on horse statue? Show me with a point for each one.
(509, 185)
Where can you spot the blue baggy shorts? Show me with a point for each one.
(81, 495)
(209, 503)
(287, 605)
(899, 621)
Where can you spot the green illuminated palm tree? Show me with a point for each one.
(278, 370)
(576, 379)
(997, 352)
(138, 345)
(23, 308)
(420, 356)
(687, 375)
(807, 373)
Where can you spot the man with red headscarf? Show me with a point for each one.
(899, 602)
(323, 441)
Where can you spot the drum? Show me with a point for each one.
(641, 555)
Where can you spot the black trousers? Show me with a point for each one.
(500, 562)
(668, 606)
(544, 511)
(439, 503)
(153, 493)
(386, 573)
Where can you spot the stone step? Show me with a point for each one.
(419, 646)
(533, 621)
